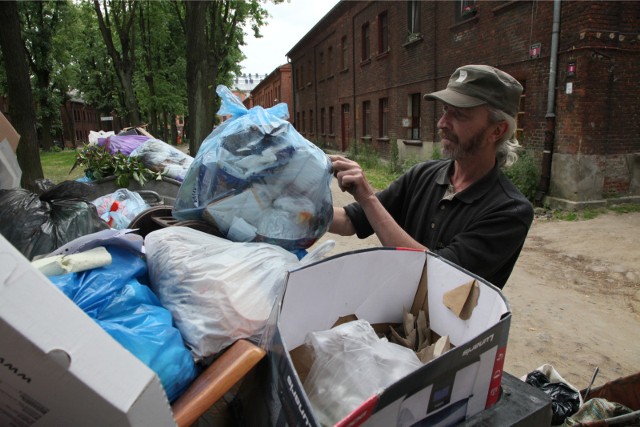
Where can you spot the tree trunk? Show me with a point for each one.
(124, 62)
(21, 109)
(174, 129)
(199, 93)
(46, 138)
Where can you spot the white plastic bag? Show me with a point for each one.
(159, 156)
(218, 291)
(119, 208)
(350, 365)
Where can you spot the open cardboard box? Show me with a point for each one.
(60, 368)
(377, 285)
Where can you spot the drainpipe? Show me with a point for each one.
(550, 117)
(353, 79)
(293, 94)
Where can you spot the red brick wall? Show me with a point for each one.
(599, 117)
(273, 89)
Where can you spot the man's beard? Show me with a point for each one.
(460, 151)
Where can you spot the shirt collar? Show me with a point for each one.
(475, 190)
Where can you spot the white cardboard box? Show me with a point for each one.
(58, 367)
(376, 285)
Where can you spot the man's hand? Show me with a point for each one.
(351, 178)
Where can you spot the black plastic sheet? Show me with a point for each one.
(39, 224)
(564, 400)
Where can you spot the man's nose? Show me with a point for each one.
(443, 121)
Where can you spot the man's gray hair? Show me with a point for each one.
(508, 144)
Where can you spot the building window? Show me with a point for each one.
(298, 123)
(331, 121)
(343, 53)
(329, 61)
(366, 118)
(413, 17)
(311, 121)
(383, 32)
(366, 47)
(301, 77)
(304, 127)
(309, 72)
(321, 66)
(465, 9)
(322, 119)
(383, 117)
(414, 114)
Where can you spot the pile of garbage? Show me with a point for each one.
(178, 297)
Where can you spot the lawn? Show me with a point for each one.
(56, 165)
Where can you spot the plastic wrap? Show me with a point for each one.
(124, 144)
(350, 365)
(37, 225)
(119, 208)
(159, 156)
(257, 179)
(133, 316)
(565, 401)
(217, 290)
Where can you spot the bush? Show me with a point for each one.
(524, 174)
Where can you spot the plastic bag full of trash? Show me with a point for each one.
(258, 180)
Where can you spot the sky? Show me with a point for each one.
(289, 22)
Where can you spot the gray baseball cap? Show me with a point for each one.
(474, 85)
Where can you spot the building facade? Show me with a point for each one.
(274, 89)
(360, 75)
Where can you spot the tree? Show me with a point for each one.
(121, 13)
(40, 21)
(90, 64)
(214, 32)
(21, 106)
(160, 74)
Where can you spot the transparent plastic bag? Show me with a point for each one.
(256, 167)
(218, 291)
(159, 156)
(350, 365)
(119, 208)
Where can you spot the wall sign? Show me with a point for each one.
(534, 50)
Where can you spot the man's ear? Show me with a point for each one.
(499, 130)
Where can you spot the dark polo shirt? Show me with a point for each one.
(481, 229)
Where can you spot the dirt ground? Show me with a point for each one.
(574, 296)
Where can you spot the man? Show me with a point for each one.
(464, 208)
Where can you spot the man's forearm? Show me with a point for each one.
(386, 228)
(341, 223)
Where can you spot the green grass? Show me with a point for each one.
(56, 165)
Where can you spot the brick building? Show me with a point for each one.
(273, 89)
(361, 72)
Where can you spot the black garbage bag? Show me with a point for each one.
(38, 225)
(564, 400)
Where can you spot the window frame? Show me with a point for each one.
(383, 32)
(365, 42)
(366, 118)
(383, 117)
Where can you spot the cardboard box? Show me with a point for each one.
(58, 367)
(376, 285)
(7, 131)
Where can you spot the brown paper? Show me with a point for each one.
(463, 299)
(409, 341)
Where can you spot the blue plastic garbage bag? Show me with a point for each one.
(258, 180)
(131, 313)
